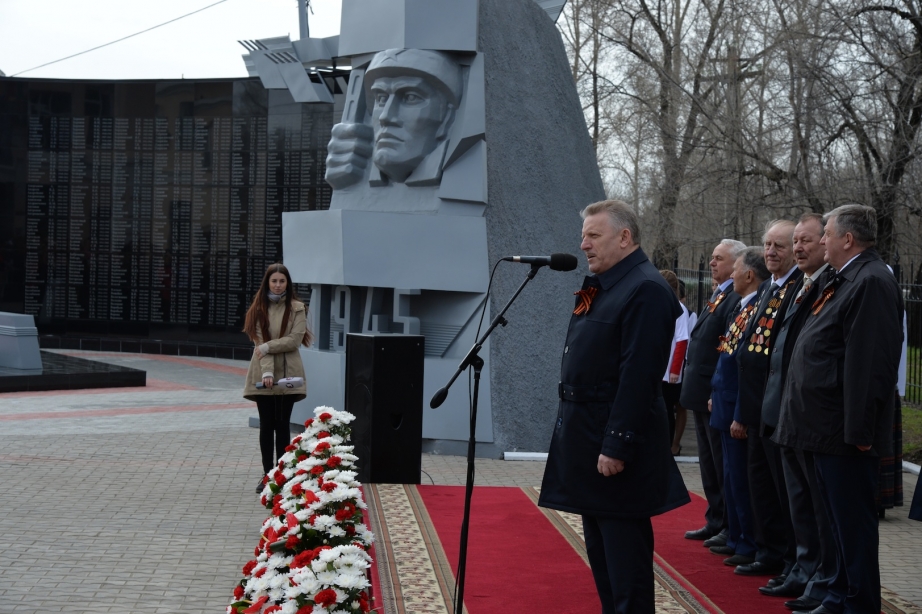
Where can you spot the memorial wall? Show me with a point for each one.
(150, 209)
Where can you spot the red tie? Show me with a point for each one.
(585, 299)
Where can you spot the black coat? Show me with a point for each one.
(839, 389)
(613, 362)
(785, 338)
(754, 347)
(701, 356)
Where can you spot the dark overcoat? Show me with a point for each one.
(839, 388)
(754, 348)
(610, 400)
(701, 357)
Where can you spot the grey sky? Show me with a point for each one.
(203, 45)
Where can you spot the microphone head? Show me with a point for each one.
(563, 262)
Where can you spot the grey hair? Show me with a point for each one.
(736, 247)
(754, 260)
(860, 220)
(620, 214)
(772, 224)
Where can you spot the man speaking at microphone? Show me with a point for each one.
(610, 458)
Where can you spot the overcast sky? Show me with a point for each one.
(204, 45)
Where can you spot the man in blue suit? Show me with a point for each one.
(748, 273)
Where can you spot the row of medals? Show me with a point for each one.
(758, 342)
(728, 344)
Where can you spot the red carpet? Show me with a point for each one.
(517, 562)
(703, 574)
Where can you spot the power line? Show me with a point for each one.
(121, 39)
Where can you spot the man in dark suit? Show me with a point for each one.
(609, 457)
(774, 534)
(839, 399)
(748, 273)
(700, 362)
(815, 550)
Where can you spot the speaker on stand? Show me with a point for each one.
(384, 391)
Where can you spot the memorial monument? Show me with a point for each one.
(461, 141)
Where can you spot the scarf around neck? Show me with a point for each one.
(275, 298)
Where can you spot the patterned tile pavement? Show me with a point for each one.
(141, 500)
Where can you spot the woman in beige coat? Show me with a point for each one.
(276, 322)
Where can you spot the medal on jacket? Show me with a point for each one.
(760, 341)
(717, 301)
(729, 341)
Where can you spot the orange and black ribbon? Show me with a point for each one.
(585, 299)
(821, 301)
(717, 301)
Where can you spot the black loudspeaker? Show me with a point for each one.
(384, 391)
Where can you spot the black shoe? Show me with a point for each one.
(777, 580)
(758, 568)
(260, 486)
(783, 590)
(803, 604)
(821, 610)
(718, 540)
(704, 532)
(738, 559)
(724, 550)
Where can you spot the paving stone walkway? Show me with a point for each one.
(141, 501)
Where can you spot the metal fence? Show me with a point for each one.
(698, 290)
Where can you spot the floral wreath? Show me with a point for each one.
(313, 552)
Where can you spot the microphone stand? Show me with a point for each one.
(474, 360)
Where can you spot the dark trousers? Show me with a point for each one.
(736, 496)
(915, 509)
(274, 432)
(816, 551)
(774, 534)
(620, 552)
(848, 485)
(711, 465)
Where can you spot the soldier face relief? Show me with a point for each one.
(407, 116)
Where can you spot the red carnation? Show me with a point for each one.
(306, 609)
(291, 542)
(329, 487)
(276, 499)
(334, 462)
(302, 560)
(320, 447)
(300, 454)
(280, 478)
(296, 440)
(308, 422)
(343, 514)
(248, 568)
(324, 417)
(257, 605)
(301, 472)
(322, 435)
(256, 551)
(297, 489)
(262, 500)
(311, 520)
(290, 448)
(349, 529)
(326, 597)
(277, 510)
(260, 572)
(238, 592)
(317, 470)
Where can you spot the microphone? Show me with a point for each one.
(557, 262)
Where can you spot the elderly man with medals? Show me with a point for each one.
(748, 273)
(776, 554)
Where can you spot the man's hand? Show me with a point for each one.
(709, 405)
(673, 378)
(737, 430)
(348, 154)
(863, 448)
(610, 466)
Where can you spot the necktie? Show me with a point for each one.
(808, 283)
